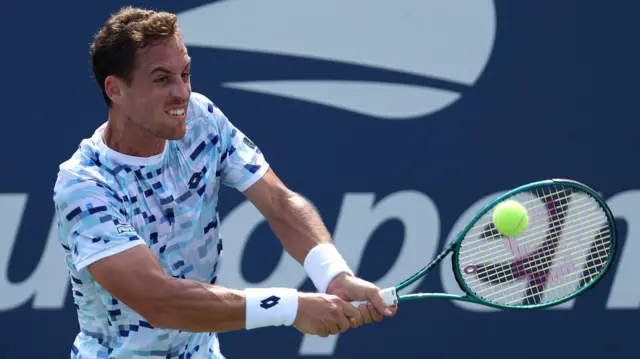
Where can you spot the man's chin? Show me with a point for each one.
(172, 133)
(176, 135)
(177, 131)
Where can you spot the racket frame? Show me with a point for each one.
(392, 296)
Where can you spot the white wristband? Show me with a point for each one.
(323, 263)
(270, 307)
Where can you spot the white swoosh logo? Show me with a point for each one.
(443, 39)
(408, 101)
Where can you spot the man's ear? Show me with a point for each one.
(115, 88)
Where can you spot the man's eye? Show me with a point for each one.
(186, 74)
(160, 79)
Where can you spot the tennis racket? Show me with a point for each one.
(566, 249)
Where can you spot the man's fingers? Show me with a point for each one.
(365, 314)
(374, 312)
(353, 314)
(376, 305)
(377, 300)
(350, 311)
(323, 333)
(334, 329)
(359, 318)
(344, 324)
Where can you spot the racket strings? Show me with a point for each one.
(545, 284)
(548, 279)
(568, 234)
(531, 236)
(541, 276)
(491, 232)
(541, 200)
(567, 288)
(542, 256)
(494, 232)
(591, 269)
(523, 248)
(488, 250)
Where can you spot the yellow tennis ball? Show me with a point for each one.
(510, 218)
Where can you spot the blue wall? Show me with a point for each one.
(396, 119)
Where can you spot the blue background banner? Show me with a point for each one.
(396, 119)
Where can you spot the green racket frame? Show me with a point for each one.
(454, 245)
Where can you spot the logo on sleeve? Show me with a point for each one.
(248, 142)
(125, 229)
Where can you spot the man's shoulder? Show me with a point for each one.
(203, 104)
(203, 109)
(204, 120)
(82, 171)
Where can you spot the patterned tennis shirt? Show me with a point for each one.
(107, 202)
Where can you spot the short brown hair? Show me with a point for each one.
(114, 47)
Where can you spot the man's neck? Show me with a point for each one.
(125, 136)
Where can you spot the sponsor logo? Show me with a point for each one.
(125, 229)
(417, 58)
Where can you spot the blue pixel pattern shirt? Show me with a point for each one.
(107, 202)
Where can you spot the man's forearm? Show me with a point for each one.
(197, 307)
(305, 237)
(298, 226)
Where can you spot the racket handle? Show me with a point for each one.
(389, 295)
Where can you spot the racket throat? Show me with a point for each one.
(390, 296)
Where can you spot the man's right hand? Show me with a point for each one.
(324, 315)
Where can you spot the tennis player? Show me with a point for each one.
(137, 212)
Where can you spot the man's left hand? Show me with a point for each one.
(350, 288)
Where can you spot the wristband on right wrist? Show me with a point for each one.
(270, 307)
(323, 263)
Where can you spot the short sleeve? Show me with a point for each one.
(92, 223)
(242, 163)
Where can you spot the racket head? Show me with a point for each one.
(569, 245)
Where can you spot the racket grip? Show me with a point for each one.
(389, 295)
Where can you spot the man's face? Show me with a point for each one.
(158, 95)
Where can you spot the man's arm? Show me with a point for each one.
(92, 221)
(135, 277)
(300, 230)
(304, 236)
(243, 166)
(291, 218)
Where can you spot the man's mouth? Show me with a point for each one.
(177, 113)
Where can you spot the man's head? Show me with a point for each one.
(143, 70)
